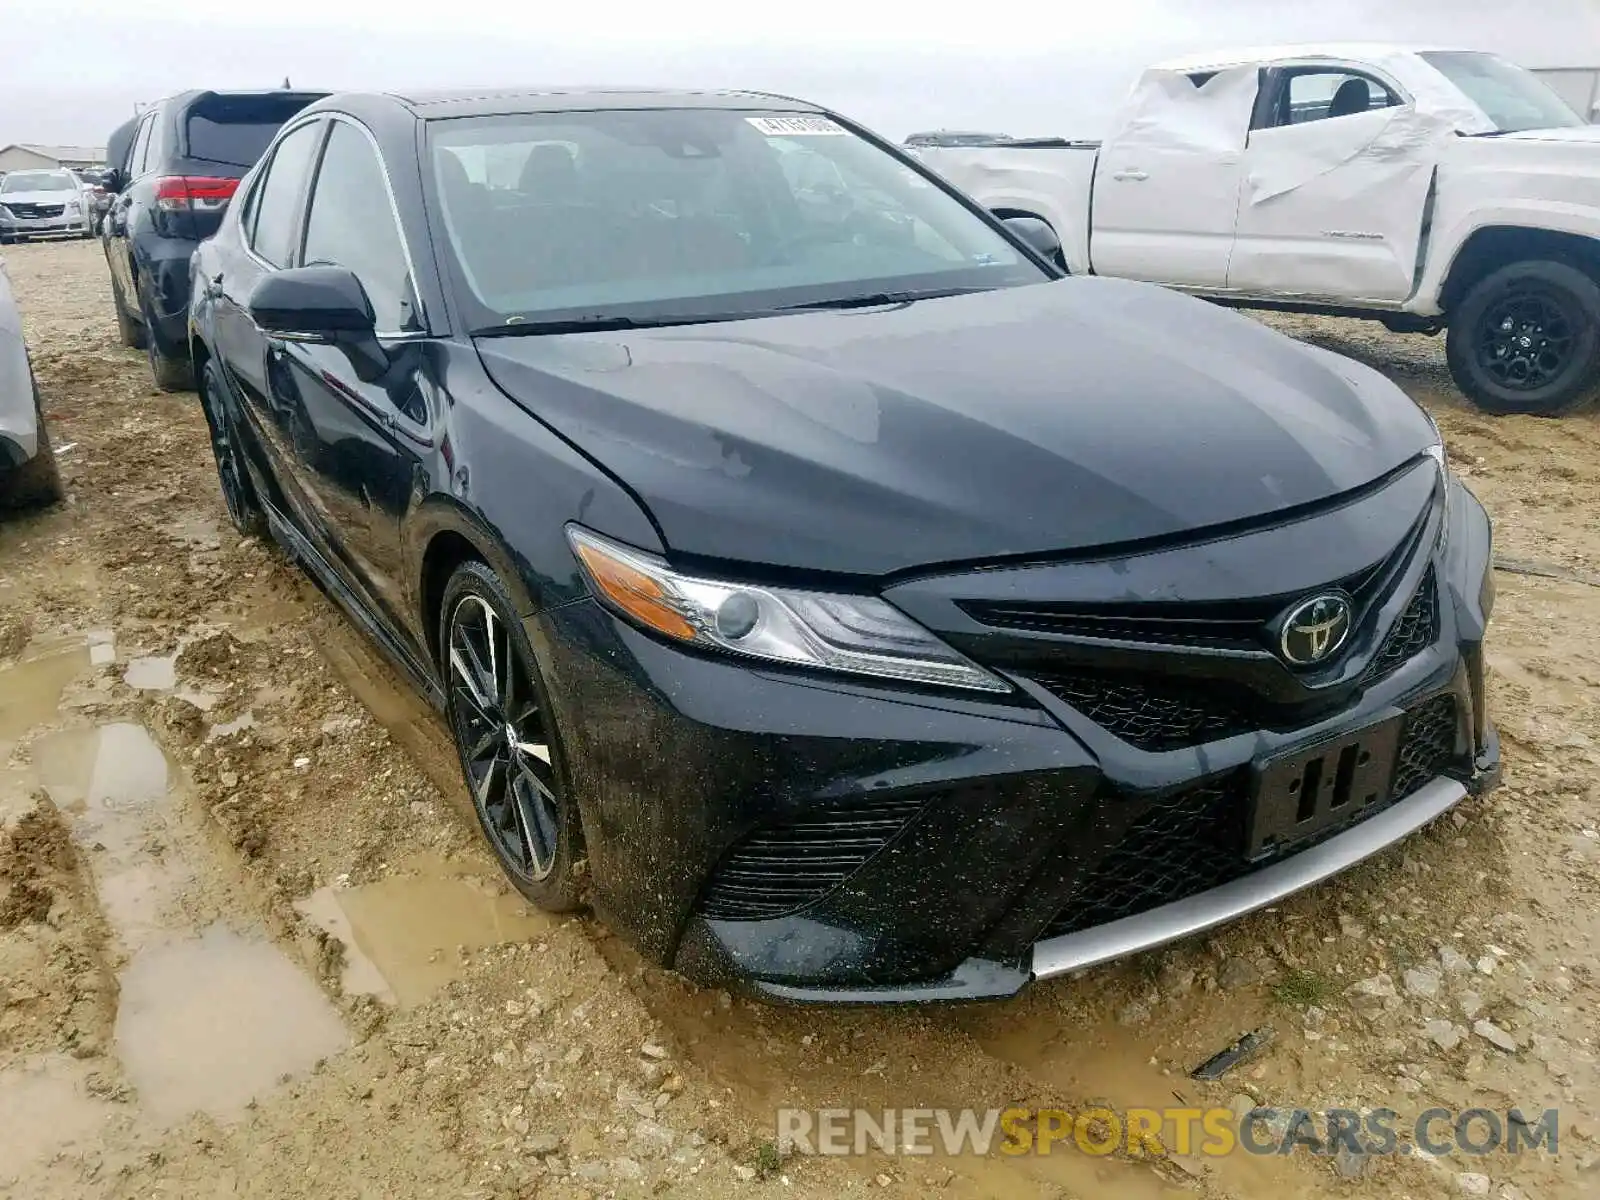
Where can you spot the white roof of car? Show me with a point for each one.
(1351, 51)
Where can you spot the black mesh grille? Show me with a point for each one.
(1415, 631)
(1150, 714)
(779, 869)
(1195, 840)
(1233, 624)
(1186, 843)
(1427, 746)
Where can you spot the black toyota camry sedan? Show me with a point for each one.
(839, 600)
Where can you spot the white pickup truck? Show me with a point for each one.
(1426, 188)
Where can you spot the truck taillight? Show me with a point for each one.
(202, 193)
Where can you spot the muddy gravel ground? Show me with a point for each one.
(250, 946)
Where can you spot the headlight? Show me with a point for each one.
(5, 212)
(829, 631)
(73, 206)
(1436, 451)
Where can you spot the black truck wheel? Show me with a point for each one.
(1526, 339)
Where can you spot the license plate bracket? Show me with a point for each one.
(1309, 791)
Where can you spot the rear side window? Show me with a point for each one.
(141, 146)
(277, 199)
(236, 130)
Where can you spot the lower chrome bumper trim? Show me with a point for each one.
(1056, 956)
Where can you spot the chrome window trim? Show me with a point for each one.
(394, 208)
(259, 182)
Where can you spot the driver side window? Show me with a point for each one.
(351, 224)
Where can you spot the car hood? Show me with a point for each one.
(1047, 418)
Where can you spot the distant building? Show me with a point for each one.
(46, 158)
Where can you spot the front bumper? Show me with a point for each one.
(841, 841)
(44, 226)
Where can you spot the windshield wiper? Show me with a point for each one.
(877, 299)
(594, 322)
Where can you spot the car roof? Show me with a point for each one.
(491, 101)
(1217, 60)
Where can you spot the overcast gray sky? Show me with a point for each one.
(75, 68)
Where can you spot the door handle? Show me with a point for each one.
(1132, 173)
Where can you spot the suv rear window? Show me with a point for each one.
(236, 130)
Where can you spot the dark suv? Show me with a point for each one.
(173, 170)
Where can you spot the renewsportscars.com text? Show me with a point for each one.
(1212, 1132)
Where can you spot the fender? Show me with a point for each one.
(442, 514)
(1026, 202)
(1548, 216)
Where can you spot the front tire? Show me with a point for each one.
(244, 509)
(1526, 339)
(505, 735)
(37, 482)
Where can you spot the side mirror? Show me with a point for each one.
(321, 304)
(112, 180)
(1038, 234)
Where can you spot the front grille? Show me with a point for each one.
(1228, 625)
(1414, 632)
(33, 212)
(781, 868)
(1427, 745)
(1195, 840)
(1186, 843)
(1157, 713)
(1153, 714)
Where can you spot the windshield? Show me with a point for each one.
(1511, 97)
(694, 214)
(38, 181)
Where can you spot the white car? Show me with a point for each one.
(28, 473)
(1426, 188)
(42, 204)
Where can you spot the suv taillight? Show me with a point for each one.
(202, 193)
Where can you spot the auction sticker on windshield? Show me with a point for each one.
(803, 126)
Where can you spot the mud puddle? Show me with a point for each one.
(404, 936)
(47, 1106)
(208, 1024)
(208, 1018)
(31, 689)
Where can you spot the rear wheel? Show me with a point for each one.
(244, 510)
(1526, 339)
(129, 331)
(170, 374)
(36, 482)
(505, 735)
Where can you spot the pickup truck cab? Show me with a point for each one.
(1427, 188)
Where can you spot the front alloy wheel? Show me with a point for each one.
(505, 741)
(1526, 339)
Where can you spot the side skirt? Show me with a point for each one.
(329, 580)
